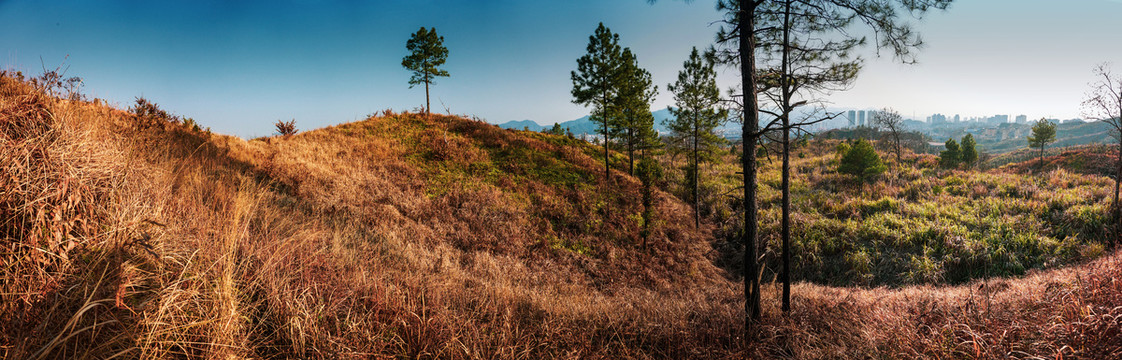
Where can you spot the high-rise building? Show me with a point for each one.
(1021, 119)
(861, 118)
(956, 118)
(852, 118)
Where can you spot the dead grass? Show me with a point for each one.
(424, 237)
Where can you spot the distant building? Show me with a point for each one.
(937, 119)
(998, 119)
(956, 118)
(1022, 119)
(861, 118)
(852, 118)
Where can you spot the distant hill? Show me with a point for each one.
(522, 125)
(584, 125)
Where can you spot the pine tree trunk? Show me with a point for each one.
(607, 166)
(428, 108)
(786, 220)
(1040, 163)
(631, 151)
(694, 168)
(749, 129)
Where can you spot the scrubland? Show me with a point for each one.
(917, 223)
(412, 236)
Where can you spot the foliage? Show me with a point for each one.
(286, 128)
(650, 173)
(1043, 133)
(635, 123)
(596, 78)
(555, 130)
(595, 83)
(426, 54)
(697, 115)
(952, 156)
(861, 161)
(969, 151)
(841, 150)
(891, 121)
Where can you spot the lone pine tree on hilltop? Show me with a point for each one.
(426, 54)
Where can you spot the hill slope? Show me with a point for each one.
(406, 236)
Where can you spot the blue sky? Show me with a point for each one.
(237, 67)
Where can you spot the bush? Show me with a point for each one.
(950, 157)
(151, 112)
(286, 128)
(861, 161)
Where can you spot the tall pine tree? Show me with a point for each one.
(697, 116)
(594, 84)
(426, 54)
(634, 95)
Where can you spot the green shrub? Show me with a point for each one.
(861, 161)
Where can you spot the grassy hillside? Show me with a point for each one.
(408, 236)
(919, 224)
(1086, 159)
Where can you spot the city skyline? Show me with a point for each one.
(237, 68)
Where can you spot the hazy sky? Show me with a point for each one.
(239, 67)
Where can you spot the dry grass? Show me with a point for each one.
(423, 237)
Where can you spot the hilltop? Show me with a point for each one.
(405, 235)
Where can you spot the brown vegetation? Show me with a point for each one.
(412, 236)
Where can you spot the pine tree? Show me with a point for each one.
(635, 92)
(426, 54)
(697, 116)
(969, 152)
(950, 157)
(595, 84)
(1043, 133)
(861, 161)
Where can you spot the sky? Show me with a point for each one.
(238, 67)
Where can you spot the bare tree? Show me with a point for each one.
(1104, 103)
(891, 121)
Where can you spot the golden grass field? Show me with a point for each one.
(410, 236)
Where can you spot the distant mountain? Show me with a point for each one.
(521, 125)
(731, 129)
(584, 125)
